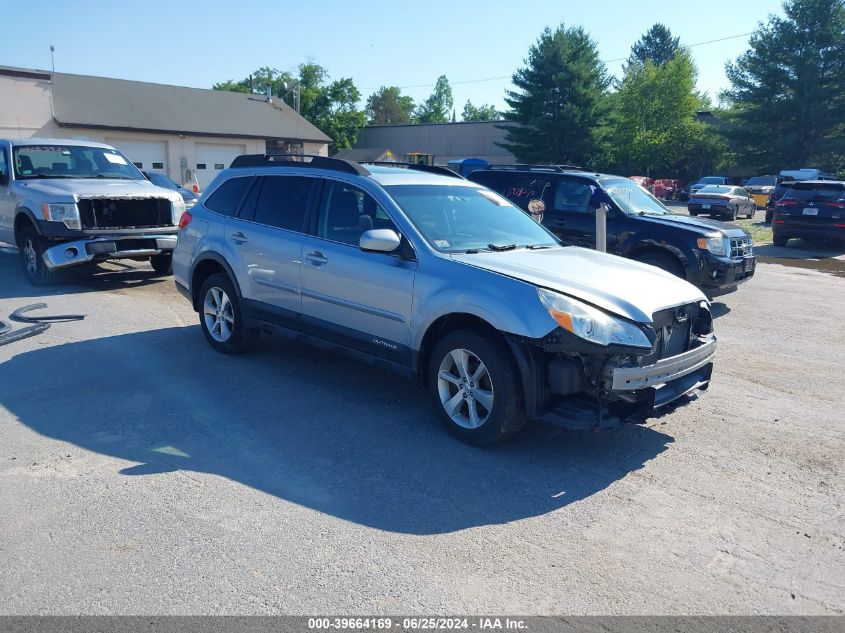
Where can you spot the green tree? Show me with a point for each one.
(481, 113)
(437, 108)
(388, 106)
(657, 44)
(560, 99)
(332, 107)
(787, 95)
(653, 126)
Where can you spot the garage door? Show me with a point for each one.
(147, 155)
(212, 158)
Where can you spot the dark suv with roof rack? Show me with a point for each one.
(715, 256)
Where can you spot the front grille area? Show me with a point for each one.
(133, 213)
(673, 332)
(741, 247)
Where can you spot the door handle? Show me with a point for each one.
(238, 238)
(316, 258)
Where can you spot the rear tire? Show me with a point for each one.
(779, 240)
(475, 388)
(162, 263)
(31, 247)
(752, 212)
(733, 214)
(663, 261)
(222, 317)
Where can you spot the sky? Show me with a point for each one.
(375, 42)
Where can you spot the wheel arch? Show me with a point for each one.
(23, 217)
(206, 265)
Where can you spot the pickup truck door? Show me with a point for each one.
(7, 198)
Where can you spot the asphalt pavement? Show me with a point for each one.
(143, 473)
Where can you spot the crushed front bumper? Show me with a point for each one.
(664, 370)
(77, 252)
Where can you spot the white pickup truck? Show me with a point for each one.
(64, 203)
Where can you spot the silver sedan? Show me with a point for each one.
(723, 200)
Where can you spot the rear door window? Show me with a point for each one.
(283, 202)
(226, 199)
(524, 189)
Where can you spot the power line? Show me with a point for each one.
(606, 61)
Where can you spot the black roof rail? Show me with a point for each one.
(432, 169)
(296, 160)
(517, 167)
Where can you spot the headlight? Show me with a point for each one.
(591, 324)
(715, 245)
(177, 208)
(66, 212)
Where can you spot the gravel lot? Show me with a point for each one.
(142, 473)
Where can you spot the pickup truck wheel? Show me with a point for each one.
(221, 316)
(162, 263)
(664, 262)
(31, 247)
(474, 385)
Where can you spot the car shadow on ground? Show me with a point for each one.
(306, 426)
(800, 249)
(79, 279)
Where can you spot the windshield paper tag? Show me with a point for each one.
(441, 243)
(115, 159)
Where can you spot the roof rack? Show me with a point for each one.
(432, 169)
(536, 167)
(296, 160)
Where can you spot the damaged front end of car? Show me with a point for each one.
(599, 370)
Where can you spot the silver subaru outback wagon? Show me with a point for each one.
(416, 269)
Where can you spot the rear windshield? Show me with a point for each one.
(715, 189)
(762, 181)
(711, 180)
(816, 191)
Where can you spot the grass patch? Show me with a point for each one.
(760, 232)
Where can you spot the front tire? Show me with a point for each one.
(664, 262)
(162, 263)
(475, 388)
(31, 247)
(222, 318)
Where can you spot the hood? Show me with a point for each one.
(703, 226)
(621, 286)
(98, 188)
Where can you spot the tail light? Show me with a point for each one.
(185, 220)
(778, 221)
(786, 203)
(839, 204)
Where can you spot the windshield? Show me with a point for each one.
(762, 181)
(71, 161)
(711, 180)
(455, 219)
(633, 199)
(160, 180)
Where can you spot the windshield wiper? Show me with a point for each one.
(534, 247)
(499, 249)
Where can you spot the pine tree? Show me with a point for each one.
(657, 44)
(559, 102)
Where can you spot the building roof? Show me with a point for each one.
(105, 103)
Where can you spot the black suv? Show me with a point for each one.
(813, 209)
(715, 256)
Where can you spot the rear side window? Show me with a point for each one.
(228, 196)
(523, 189)
(283, 202)
(3, 164)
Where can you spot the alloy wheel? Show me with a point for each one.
(465, 388)
(218, 314)
(31, 257)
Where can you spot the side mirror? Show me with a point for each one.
(379, 240)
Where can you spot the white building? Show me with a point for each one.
(180, 131)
